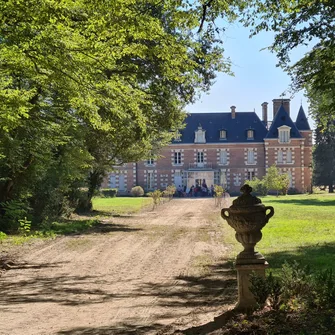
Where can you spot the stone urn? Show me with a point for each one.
(248, 216)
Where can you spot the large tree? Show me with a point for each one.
(324, 151)
(85, 84)
(299, 23)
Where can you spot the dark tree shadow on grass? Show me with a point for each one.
(305, 202)
(318, 257)
(110, 214)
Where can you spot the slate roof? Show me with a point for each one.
(214, 122)
(282, 118)
(302, 122)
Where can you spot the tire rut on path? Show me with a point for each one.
(149, 278)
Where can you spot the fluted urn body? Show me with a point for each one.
(248, 216)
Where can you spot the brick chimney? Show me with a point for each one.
(278, 102)
(265, 112)
(233, 112)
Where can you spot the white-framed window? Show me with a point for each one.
(250, 134)
(280, 156)
(200, 157)
(200, 135)
(223, 157)
(223, 179)
(284, 134)
(250, 175)
(223, 134)
(251, 157)
(150, 180)
(289, 173)
(150, 161)
(289, 156)
(177, 157)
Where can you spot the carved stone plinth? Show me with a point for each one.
(246, 300)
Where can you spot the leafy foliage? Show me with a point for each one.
(137, 191)
(108, 192)
(296, 287)
(156, 197)
(273, 180)
(170, 191)
(299, 23)
(324, 152)
(259, 186)
(88, 85)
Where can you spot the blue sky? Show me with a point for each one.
(256, 80)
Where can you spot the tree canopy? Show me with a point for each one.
(88, 84)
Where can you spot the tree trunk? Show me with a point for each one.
(94, 182)
(331, 188)
(7, 191)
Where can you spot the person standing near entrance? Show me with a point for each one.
(180, 191)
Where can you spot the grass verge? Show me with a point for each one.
(302, 230)
(121, 205)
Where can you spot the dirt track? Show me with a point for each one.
(152, 273)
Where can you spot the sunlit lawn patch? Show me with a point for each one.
(302, 229)
(121, 205)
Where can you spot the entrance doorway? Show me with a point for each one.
(199, 178)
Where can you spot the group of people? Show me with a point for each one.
(196, 191)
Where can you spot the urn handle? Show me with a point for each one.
(223, 213)
(272, 211)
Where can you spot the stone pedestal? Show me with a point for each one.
(246, 300)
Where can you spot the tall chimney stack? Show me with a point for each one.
(233, 112)
(265, 112)
(278, 102)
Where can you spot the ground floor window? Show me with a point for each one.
(250, 175)
(150, 180)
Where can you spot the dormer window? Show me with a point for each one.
(284, 134)
(223, 134)
(150, 161)
(250, 134)
(200, 135)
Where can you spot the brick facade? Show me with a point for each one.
(227, 163)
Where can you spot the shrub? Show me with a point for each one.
(259, 186)
(156, 197)
(170, 191)
(14, 211)
(296, 287)
(108, 192)
(137, 191)
(3, 236)
(25, 226)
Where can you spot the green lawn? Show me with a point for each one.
(120, 205)
(302, 229)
